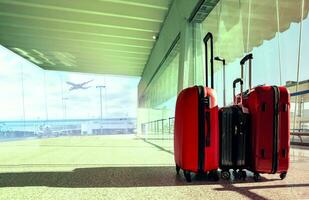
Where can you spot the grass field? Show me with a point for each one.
(124, 167)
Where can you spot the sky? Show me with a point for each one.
(31, 93)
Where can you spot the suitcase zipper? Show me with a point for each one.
(275, 129)
(204, 141)
(201, 128)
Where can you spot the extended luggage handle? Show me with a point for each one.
(238, 80)
(207, 114)
(206, 39)
(224, 92)
(249, 58)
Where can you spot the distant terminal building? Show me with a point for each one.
(299, 104)
(69, 127)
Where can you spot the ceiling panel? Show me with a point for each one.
(97, 36)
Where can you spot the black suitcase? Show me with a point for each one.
(234, 138)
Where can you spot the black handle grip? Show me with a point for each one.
(217, 58)
(238, 80)
(246, 58)
(206, 39)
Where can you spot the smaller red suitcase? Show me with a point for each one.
(269, 107)
(196, 143)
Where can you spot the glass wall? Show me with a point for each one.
(276, 33)
(39, 103)
(157, 105)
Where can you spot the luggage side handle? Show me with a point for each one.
(238, 80)
(249, 58)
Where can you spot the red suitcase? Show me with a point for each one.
(270, 126)
(196, 133)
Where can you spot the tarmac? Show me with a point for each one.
(126, 167)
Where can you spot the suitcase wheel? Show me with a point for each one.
(225, 175)
(177, 169)
(283, 175)
(242, 174)
(187, 175)
(256, 177)
(213, 175)
(237, 176)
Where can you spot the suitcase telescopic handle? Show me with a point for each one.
(238, 80)
(249, 58)
(207, 38)
(223, 63)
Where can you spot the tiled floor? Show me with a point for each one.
(114, 167)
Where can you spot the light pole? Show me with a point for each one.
(64, 99)
(101, 108)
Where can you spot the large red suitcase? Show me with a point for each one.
(269, 107)
(196, 133)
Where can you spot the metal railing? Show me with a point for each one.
(300, 133)
(159, 132)
(163, 129)
(158, 127)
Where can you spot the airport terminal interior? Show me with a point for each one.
(89, 88)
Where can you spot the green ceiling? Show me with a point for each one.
(95, 36)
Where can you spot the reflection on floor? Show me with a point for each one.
(125, 167)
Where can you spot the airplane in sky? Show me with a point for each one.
(76, 86)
